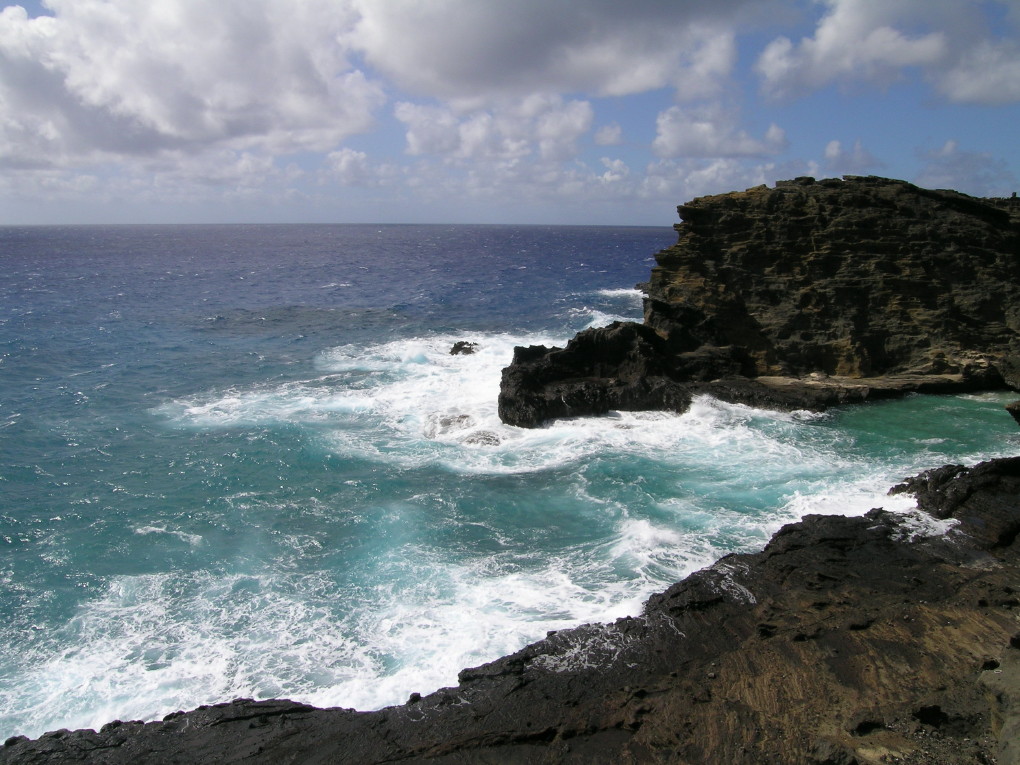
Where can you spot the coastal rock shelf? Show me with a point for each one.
(889, 637)
(804, 295)
(883, 638)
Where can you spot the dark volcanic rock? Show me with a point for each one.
(463, 348)
(881, 638)
(1014, 410)
(858, 277)
(873, 286)
(619, 366)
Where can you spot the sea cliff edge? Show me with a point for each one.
(889, 637)
(802, 296)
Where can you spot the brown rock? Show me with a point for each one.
(846, 640)
(822, 291)
(860, 277)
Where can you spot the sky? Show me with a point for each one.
(489, 111)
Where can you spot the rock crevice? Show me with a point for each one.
(888, 637)
(868, 283)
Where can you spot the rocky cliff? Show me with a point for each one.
(867, 640)
(802, 295)
(846, 641)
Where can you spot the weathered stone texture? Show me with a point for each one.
(820, 291)
(858, 277)
(868, 640)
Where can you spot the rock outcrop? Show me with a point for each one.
(806, 294)
(882, 638)
(846, 641)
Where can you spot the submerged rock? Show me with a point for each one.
(821, 291)
(883, 638)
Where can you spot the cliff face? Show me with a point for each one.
(859, 277)
(852, 279)
(846, 641)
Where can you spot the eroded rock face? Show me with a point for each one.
(859, 277)
(622, 366)
(882, 638)
(853, 279)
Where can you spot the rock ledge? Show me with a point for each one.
(882, 638)
(821, 291)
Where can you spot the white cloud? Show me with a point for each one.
(857, 39)
(989, 73)
(540, 124)
(960, 46)
(106, 77)
(609, 135)
(349, 167)
(688, 178)
(710, 131)
(975, 173)
(464, 49)
(616, 170)
(430, 129)
(854, 161)
(559, 128)
(175, 100)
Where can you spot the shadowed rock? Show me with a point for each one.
(821, 291)
(883, 638)
(463, 348)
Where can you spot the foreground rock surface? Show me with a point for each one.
(883, 638)
(843, 289)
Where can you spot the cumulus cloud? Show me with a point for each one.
(853, 161)
(460, 99)
(855, 39)
(989, 73)
(710, 132)
(350, 167)
(689, 178)
(976, 173)
(117, 76)
(542, 124)
(960, 47)
(463, 49)
(616, 170)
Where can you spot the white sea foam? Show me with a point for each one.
(154, 644)
(631, 295)
(596, 645)
(411, 403)
(191, 539)
(675, 492)
(916, 524)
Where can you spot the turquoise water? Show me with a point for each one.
(240, 461)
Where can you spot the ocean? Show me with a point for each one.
(241, 461)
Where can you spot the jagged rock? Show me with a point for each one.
(463, 348)
(482, 438)
(873, 286)
(1013, 408)
(599, 369)
(881, 638)
(857, 277)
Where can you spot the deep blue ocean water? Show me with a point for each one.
(240, 461)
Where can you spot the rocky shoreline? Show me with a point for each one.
(801, 296)
(890, 637)
(883, 638)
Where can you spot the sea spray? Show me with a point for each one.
(285, 485)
